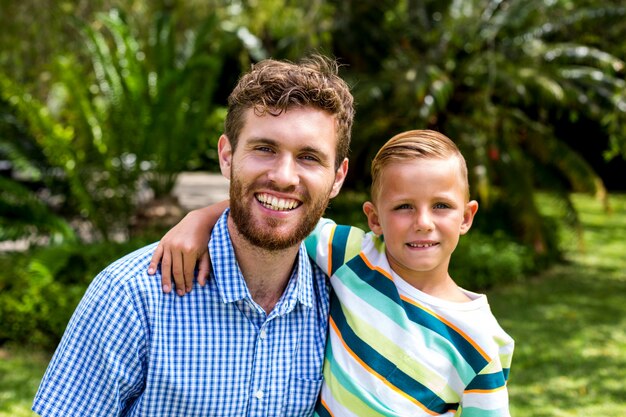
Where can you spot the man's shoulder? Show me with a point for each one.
(132, 269)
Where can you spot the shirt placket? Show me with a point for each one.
(261, 372)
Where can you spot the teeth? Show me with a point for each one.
(279, 204)
(421, 245)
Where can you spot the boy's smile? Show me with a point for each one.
(421, 211)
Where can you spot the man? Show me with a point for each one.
(253, 343)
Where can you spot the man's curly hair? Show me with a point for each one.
(273, 87)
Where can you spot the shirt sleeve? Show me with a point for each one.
(331, 245)
(487, 394)
(98, 367)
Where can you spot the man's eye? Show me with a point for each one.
(311, 158)
(264, 149)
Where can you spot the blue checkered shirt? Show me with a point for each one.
(131, 350)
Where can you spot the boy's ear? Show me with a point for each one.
(372, 217)
(225, 153)
(468, 216)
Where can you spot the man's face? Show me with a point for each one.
(282, 175)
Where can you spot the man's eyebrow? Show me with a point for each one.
(268, 141)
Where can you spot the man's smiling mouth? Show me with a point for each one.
(278, 204)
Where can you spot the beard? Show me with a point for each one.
(265, 235)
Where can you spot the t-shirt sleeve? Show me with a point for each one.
(487, 394)
(98, 367)
(331, 245)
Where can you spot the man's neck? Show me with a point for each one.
(266, 272)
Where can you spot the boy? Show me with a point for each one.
(404, 339)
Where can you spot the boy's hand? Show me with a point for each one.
(184, 246)
(178, 255)
(179, 251)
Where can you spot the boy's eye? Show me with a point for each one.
(441, 206)
(403, 207)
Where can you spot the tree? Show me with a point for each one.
(140, 115)
(494, 76)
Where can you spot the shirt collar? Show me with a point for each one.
(229, 279)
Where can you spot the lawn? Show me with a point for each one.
(569, 325)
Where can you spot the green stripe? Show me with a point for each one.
(481, 412)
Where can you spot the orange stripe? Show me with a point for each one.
(465, 336)
(330, 250)
(484, 391)
(376, 374)
(374, 268)
(326, 406)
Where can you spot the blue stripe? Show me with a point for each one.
(321, 411)
(417, 315)
(340, 242)
(383, 366)
(486, 382)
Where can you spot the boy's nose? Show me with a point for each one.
(423, 221)
(284, 173)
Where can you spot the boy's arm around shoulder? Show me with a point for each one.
(98, 366)
(331, 245)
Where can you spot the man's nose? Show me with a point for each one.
(284, 173)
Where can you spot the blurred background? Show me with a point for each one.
(106, 105)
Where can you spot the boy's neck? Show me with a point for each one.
(442, 287)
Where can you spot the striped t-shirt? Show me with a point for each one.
(393, 350)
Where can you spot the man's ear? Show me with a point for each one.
(372, 217)
(468, 216)
(225, 154)
(340, 177)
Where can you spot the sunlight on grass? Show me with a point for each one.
(570, 323)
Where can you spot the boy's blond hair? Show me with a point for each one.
(273, 87)
(415, 144)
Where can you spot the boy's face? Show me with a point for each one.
(282, 175)
(421, 211)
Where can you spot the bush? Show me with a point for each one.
(40, 289)
(482, 261)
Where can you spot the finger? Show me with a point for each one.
(189, 265)
(203, 269)
(166, 272)
(177, 271)
(156, 258)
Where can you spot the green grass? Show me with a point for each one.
(20, 373)
(569, 325)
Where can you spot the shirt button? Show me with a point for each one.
(262, 334)
(259, 394)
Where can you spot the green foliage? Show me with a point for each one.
(138, 118)
(495, 77)
(40, 289)
(484, 261)
(21, 371)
